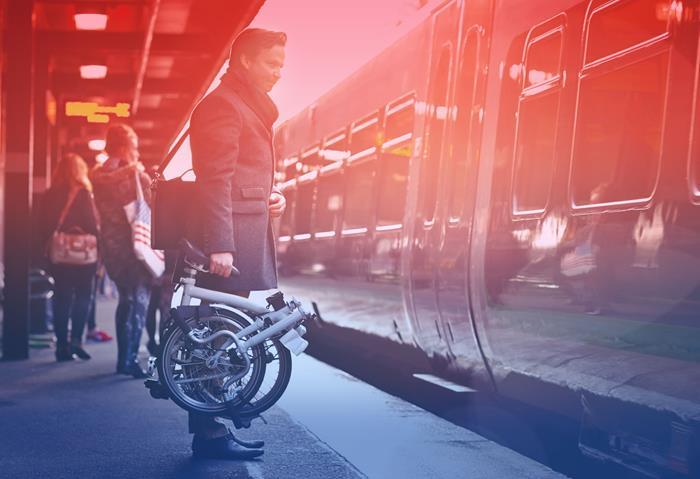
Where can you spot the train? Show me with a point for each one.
(512, 189)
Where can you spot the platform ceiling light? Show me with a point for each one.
(93, 72)
(97, 145)
(90, 21)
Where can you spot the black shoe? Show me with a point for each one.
(80, 352)
(136, 372)
(248, 444)
(64, 353)
(152, 347)
(224, 447)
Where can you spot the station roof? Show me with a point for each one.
(160, 56)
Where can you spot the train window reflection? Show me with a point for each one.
(302, 208)
(624, 24)
(464, 154)
(543, 60)
(329, 201)
(436, 128)
(359, 194)
(618, 133)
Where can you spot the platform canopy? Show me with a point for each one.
(142, 62)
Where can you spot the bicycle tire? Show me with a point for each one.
(173, 334)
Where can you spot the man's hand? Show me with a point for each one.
(221, 264)
(277, 203)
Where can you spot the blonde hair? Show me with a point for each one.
(73, 172)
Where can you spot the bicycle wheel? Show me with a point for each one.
(197, 386)
(278, 371)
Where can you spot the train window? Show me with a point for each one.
(393, 182)
(436, 127)
(537, 124)
(329, 200)
(463, 158)
(364, 135)
(302, 208)
(619, 126)
(543, 62)
(359, 191)
(335, 148)
(400, 119)
(615, 27)
(291, 167)
(534, 157)
(311, 159)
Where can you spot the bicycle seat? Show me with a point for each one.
(197, 258)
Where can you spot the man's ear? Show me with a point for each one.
(245, 61)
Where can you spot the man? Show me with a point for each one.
(232, 157)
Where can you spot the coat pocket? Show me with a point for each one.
(249, 207)
(253, 192)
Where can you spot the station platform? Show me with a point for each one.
(79, 419)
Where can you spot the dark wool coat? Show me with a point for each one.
(232, 157)
(115, 186)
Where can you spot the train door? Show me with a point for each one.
(458, 184)
(427, 234)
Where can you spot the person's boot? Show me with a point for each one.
(78, 350)
(134, 369)
(224, 447)
(64, 353)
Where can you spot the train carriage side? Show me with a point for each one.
(587, 243)
(354, 209)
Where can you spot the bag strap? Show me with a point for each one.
(171, 153)
(95, 214)
(139, 188)
(71, 198)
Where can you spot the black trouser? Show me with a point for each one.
(73, 294)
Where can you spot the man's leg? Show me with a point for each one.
(213, 439)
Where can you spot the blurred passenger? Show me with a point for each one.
(232, 157)
(115, 187)
(70, 226)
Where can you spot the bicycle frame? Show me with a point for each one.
(281, 320)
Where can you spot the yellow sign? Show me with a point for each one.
(96, 113)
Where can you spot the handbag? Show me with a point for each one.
(74, 246)
(138, 213)
(173, 201)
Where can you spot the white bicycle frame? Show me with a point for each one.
(281, 320)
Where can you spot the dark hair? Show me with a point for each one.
(119, 137)
(252, 41)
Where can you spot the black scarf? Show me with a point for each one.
(259, 101)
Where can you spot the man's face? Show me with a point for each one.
(264, 69)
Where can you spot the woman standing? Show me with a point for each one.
(68, 209)
(115, 187)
